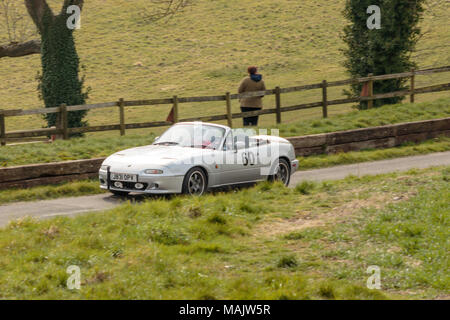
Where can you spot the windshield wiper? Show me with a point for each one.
(167, 142)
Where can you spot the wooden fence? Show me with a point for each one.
(343, 141)
(62, 129)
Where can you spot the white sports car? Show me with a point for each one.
(193, 157)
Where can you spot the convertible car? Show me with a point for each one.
(194, 157)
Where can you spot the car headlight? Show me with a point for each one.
(104, 168)
(153, 171)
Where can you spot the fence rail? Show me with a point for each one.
(63, 131)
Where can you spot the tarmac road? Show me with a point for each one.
(77, 205)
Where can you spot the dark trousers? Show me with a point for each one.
(250, 121)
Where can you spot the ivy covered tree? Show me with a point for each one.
(384, 50)
(60, 82)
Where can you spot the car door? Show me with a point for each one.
(252, 159)
(235, 164)
(256, 153)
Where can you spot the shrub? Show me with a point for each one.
(306, 187)
(287, 262)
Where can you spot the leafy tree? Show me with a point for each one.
(381, 51)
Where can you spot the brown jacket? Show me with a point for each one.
(248, 85)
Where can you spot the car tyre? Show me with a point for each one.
(282, 172)
(195, 182)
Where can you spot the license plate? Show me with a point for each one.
(124, 177)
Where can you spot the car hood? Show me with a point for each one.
(154, 155)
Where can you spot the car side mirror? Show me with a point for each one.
(156, 139)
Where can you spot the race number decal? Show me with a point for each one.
(245, 159)
(248, 159)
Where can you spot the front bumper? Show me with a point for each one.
(294, 166)
(153, 184)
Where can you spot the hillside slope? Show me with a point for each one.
(205, 50)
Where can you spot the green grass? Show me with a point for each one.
(420, 229)
(206, 51)
(408, 240)
(70, 189)
(267, 242)
(92, 147)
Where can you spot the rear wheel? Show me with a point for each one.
(119, 193)
(282, 172)
(195, 182)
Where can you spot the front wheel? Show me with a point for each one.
(195, 182)
(282, 172)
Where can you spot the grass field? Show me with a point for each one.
(205, 50)
(95, 146)
(267, 242)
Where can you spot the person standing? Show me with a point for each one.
(253, 82)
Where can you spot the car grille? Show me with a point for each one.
(129, 185)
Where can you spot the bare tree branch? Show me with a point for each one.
(15, 21)
(162, 9)
(6, 7)
(37, 9)
(20, 49)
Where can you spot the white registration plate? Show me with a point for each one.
(124, 177)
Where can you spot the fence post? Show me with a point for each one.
(413, 83)
(2, 129)
(122, 117)
(175, 109)
(229, 116)
(278, 103)
(370, 93)
(64, 121)
(324, 99)
(58, 126)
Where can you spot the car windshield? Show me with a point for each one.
(196, 135)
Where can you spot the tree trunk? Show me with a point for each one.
(20, 49)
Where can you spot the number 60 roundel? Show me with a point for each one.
(248, 159)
